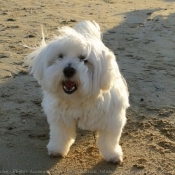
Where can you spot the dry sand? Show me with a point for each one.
(142, 35)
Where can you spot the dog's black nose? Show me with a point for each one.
(69, 72)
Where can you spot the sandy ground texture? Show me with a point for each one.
(142, 35)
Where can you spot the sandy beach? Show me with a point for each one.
(141, 33)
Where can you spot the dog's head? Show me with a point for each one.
(74, 63)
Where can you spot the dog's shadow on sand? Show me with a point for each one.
(103, 167)
(138, 28)
(25, 136)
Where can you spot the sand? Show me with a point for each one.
(141, 33)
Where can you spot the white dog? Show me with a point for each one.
(82, 85)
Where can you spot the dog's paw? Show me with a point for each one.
(54, 154)
(113, 156)
(54, 151)
(116, 160)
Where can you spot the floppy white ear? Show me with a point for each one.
(35, 62)
(109, 71)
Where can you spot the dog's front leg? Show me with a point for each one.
(61, 138)
(108, 144)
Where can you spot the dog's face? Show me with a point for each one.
(72, 64)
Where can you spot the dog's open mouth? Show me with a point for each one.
(69, 86)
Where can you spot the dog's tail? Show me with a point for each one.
(88, 29)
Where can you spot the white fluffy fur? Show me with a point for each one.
(100, 102)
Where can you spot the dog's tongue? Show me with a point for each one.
(69, 84)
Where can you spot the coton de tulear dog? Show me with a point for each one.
(82, 85)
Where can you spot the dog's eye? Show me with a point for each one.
(82, 58)
(60, 56)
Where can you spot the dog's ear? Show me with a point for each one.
(35, 60)
(109, 70)
(36, 63)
